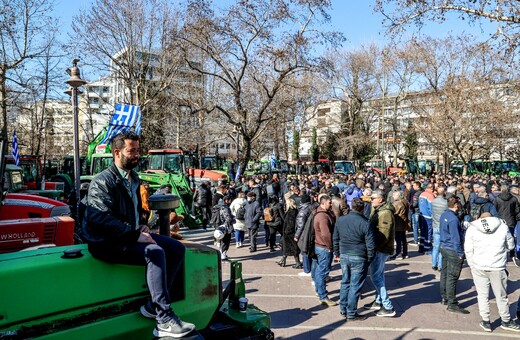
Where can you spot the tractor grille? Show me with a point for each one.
(49, 234)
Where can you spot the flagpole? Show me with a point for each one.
(75, 81)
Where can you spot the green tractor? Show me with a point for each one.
(166, 166)
(79, 297)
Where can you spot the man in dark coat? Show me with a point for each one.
(252, 219)
(202, 203)
(508, 209)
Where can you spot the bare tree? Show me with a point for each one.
(461, 110)
(251, 51)
(24, 24)
(129, 41)
(504, 13)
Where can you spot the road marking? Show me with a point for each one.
(400, 330)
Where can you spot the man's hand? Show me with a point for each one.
(145, 228)
(145, 238)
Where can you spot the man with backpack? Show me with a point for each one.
(481, 204)
(253, 213)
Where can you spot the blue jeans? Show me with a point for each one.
(377, 275)
(320, 270)
(436, 255)
(415, 226)
(307, 263)
(239, 236)
(354, 271)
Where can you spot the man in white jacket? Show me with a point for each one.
(486, 245)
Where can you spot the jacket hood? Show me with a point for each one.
(385, 206)
(505, 196)
(350, 189)
(487, 225)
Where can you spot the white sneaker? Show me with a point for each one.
(304, 274)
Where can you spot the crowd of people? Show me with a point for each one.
(362, 221)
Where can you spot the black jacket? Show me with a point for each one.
(354, 236)
(110, 213)
(507, 208)
(202, 197)
(252, 214)
(304, 212)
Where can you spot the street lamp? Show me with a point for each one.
(74, 82)
(384, 52)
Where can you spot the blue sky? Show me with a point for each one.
(354, 18)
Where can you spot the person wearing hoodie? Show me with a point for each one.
(352, 192)
(383, 223)
(508, 209)
(486, 245)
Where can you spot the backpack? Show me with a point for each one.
(268, 214)
(475, 211)
(306, 240)
(241, 212)
(216, 219)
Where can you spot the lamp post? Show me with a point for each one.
(74, 82)
(384, 52)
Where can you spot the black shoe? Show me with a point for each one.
(457, 309)
(435, 268)
(267, 244)
(444, 302)
(272, 250)
(391, 258)
(281, 263)
(297, 266)
(485, 325)
(252, 250)
(357, 317)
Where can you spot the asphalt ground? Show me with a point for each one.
(412, 285)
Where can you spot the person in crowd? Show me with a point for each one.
(439, 206)
(508, 209)
(481, 204)
(114, 233)
(304, 211)
(202, 200)
(339, 206)
(382, 221)
(452, 250)
(401, 224)
(275, 226)
(414, 207)
(239, 226)
(486, 245)
(221, 192)
(289, 245)
(228, 220)
(425, 219)
(252, 217)
(354, 241)
(324, 221)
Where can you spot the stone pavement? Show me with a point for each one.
(413, 288)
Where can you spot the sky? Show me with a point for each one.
(354, 18)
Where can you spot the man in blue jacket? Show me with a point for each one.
(452, 250)
(354, 241)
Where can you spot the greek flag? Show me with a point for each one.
(123, 119)
(273, 160)
(16, 154)
(138, 124)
